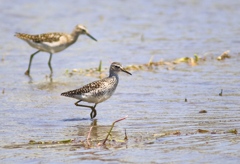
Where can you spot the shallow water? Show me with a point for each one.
(161, 126)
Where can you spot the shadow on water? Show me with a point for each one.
(49, 85)
(48, 78)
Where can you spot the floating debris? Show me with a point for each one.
(202, 111)
(214, 132)
(149, 142)
(224, 55)
(159, 135)
(177, 133)
(220, 94)
(141, 138)
(192, 61)
(180, 60)
(101, 72)
(32, 142)
(202, 131)
(234, 131)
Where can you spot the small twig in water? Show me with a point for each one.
(100, 66)
(150, 61)
(125, 138)
(112, 128)
(220, 94)
(89, 135)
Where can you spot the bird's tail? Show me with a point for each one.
(67, 94)
(22, 36)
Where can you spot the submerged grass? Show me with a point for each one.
(87, 143)
(151, 65)
(136, 140)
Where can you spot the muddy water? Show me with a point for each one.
(161, 127)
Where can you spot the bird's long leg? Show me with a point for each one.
(49, 63)
(30, 62)
(76, 103)
(93, 113)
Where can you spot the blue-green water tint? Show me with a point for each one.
(129, 32)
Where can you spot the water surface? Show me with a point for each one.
(130, 32)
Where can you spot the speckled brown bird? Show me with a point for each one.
(98, 91)
(52, 42)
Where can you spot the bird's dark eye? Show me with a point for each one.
(116, 66)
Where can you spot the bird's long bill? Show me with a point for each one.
(91, 36)
(126, 71)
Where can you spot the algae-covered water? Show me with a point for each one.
(163, 103)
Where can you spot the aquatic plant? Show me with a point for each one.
(76, 142)
(151, 65)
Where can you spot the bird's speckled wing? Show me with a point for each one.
(96, 86)
(48, 37)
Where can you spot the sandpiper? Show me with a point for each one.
(52, 42)
(98, 91)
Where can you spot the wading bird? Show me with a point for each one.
(52, 42)
(98, 91)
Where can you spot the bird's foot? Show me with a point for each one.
(27, 72)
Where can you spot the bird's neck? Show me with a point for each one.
(75, 36)
(111, 74)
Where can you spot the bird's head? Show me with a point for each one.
(83, 30)
(117, 67)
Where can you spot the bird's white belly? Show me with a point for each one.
(94, 98)
(51, 47)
